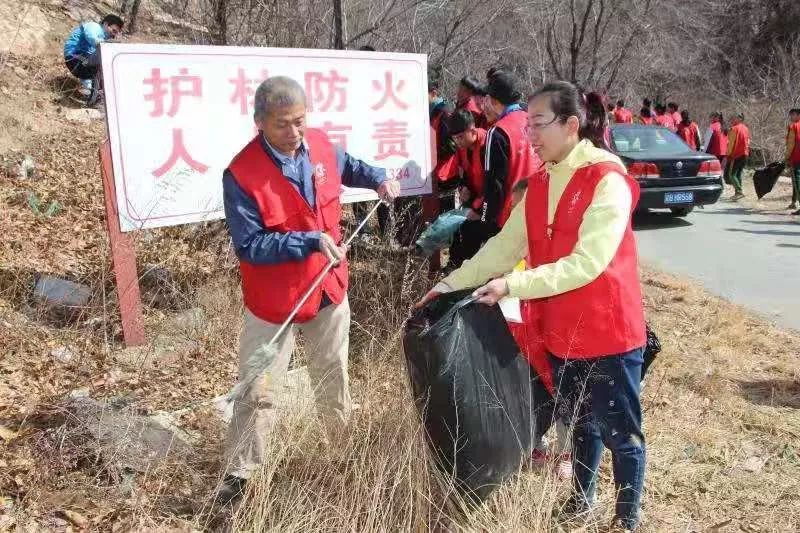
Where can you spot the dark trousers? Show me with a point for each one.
(734, 170)
(83, 68)
(601, 398)
(468, 240)
(796, 184)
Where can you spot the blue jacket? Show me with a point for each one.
(83, 40)
(252, 241)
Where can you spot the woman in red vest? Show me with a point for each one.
(718, 142)
(468, 98)
(793, 155)
(738, 152)
(688, 131)
(645, 117)
(574, 229)
(663, 118)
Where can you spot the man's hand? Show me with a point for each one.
(473, 215)
(437, 290)
(389, 190)
(328, 246)
(492, 292)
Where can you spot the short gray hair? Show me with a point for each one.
(277, 91)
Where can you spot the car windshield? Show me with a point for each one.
(649, 139)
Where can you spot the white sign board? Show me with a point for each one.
(178, 114)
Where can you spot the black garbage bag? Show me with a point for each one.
(764, 179)
(473, 390)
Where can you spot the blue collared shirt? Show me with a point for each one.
(256, 244)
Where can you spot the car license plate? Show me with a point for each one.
(678, 197)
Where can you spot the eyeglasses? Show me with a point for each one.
(540, 125)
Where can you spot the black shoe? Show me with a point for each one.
(231, 491)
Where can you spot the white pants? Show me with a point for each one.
(327, 337)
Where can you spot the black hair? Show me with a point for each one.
(367, 48)
(661, 108)
(610, 106)
(645, 112)
(567, 101)
(113, 20)
(472, 84)
(672, 105)
(459, 122)
(740, 116)
(647, 103)
(794, 111)
(685, 117)
(621, 103)
(520, 186)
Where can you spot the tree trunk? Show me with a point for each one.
(220, 22)
(133, 16)
(338, 25)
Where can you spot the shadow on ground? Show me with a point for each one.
(772, 392)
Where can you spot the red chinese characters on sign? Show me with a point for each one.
(337, 134)
(179, 152)
(389, 92)
(244, 88)
(174, 87)
(323, 91)
(391, 136)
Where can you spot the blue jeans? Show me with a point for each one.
(601, 397)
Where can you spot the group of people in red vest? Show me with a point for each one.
(482, 153)
(731, 145)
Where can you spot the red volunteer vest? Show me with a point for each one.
(666, 121)
(522, 160)
(677, 118)
(647, 121)
(530, 340)
(718, 144)
(794, 157)
(741, 148)
(477, 113)
(446, 168)
(271, 291)
(471, 163)
(689, 133)
(623, 116)
(605, 317)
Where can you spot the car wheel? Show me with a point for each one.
(681, 211)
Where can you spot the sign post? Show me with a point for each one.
(123, 257)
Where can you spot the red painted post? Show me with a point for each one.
(430, 209)
(123, 256)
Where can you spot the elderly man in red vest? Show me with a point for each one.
(281, 197)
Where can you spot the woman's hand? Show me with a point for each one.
(437, 290)
(492, 292)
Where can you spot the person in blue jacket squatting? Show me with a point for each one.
(281, 196)
(81, 53)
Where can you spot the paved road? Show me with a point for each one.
(750, 259)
